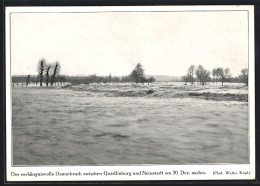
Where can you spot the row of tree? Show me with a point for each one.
(34, 79)
(137, 75)
(49, 71)
(201, 75)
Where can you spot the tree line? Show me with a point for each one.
(202, 76)
(137, 75)
(49, 73)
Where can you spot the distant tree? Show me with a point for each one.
(215, 74)
(185, 79)
(224, 74)
(55, 72)
(235, 80)
(93, 78)
(138, 73)
(40, 68)
(142, 79)
(109, 78)
(116, 79)
(243, 77)
(126, 79)
(133, 76)
(218, 73)
(62, 79)
(190, 74)
(47, 70)
(151, 79)
(37, 80)
(202, 75)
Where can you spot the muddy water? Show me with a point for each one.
(66, 127)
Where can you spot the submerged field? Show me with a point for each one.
(160, 123)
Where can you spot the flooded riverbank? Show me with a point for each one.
(76, 126)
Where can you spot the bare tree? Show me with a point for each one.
(185, 79)
(48, 67)
(40, 68)
(55, 72)
(218, 72)
(223, 74)
(244, 76)
(202, 75)
(191, 73)
(215, 74)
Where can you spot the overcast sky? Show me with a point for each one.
(165, 43)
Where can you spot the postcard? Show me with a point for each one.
(123, 93)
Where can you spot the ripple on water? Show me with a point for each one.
(95, 129)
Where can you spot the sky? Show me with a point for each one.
(165, 43)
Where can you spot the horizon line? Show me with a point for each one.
(96, 75)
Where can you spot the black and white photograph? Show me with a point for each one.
(146, 87)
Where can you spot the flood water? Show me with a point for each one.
(68, 127)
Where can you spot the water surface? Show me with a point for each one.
(73, 127)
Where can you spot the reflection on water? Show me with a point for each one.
(66, 127)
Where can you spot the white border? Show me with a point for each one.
(209, 169)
